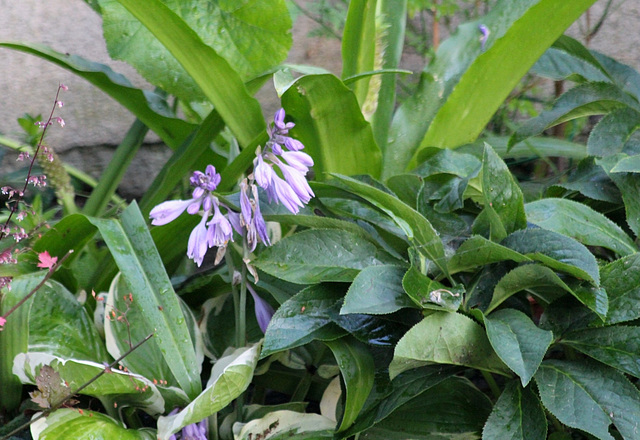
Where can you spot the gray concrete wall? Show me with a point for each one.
(95, 123)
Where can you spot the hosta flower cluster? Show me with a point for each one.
(215, 228)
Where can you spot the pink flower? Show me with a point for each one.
(46, 260)
(2, 322)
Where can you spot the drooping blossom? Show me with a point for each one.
(263, 310)
(250, 217)
(283, 151)
(194, 431)
(484, 31)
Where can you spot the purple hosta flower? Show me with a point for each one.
(219, 232)
(284, 152)
(250, 217)
(485, 34)
(194, 431)
(264, 311)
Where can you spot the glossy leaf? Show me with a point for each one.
(629, 164)
(227, 93)
(621, 281)
(446, 338)
(580, 222)
(289, 424)
(557, 251)
(477, 251)
(376, 290)
(88, 426)
(517, 415)
(517, 341)
(330, 125)
(449, 109)
(616, 346)
(416, 227)
(147, 106)
(357, 369)
(303, 318)
(319, 255)
(230, 376)
(610, 135)
(590, 396)
(430, 294)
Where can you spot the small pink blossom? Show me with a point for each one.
(46, 260)
(2, 322)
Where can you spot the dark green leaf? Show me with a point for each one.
(318, 255)
(517, 341)
(406, 187)
(446, 338)
(376, 290)
(305, 317)
(590, 396)
(580, 222)
(591, 181)
(629, 186)
(430, 294)
(612, 132)
(629, 164)
(566, 314)
(517, 415)
(357, 368)
(621, 281)
(326, 114)
(477, 251)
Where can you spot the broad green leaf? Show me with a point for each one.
(517, 341)
(132, 248)
(416, 227)
(430, 294)
(285, 424)
(629, 164)
(612, 132)
(251, 35)
(359, 40)
(446, 338)
(580, 222)
(439, 161)
(406, 187)
(211, 72)
(87, 426)
(621, 281)
(590, 180)
(527, 276)
(331, 126)
(584, 100)
(616, 346)
(590, 396)
(303, 318)
(517, 415)
(376, 290)
(557, 251)
(14, 338)
(629, 186)
(569, 59)
(537, 146)
(449, 108)
(230, 376)
(357, 369)
(501, 193)
(566, 314)
(122, 388)
(453, 409)
(477, 251)
(147, 106)
(318, 255)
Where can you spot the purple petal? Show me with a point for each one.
(198, 241)
(234, 219)
(293, 144)
(260, 224)
(263, 310)
(278, 119)
(286, 195)
(220, 231)
(245, 204)
(263, 172)
(297, 182)
(298, 160)
(168, 211)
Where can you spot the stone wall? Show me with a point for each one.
(96, 124)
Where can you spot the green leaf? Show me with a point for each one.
(557, 251)
(449, 109)
(376, 290)
(430, 294)
(629, 164)
(212, 73)
(88, 426)
(446, 338)
(147, 106)
(303, 318)
(284, 424)
(584, 100)
(477, 251)
(453, 409)
(629, 186)
(590, 180)
(416, 227)
(610, 135)
(517, 415)
(357, 368)
(137, 258)
(589, 396)
(537, 146)
(517, 341)
(501, 194)
(230, 376)
(252, 36)
(318, 255)
(327, 115)
(580, 222)
(621, 281)
(616, 346)
(116, 386)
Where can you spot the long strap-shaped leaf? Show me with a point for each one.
(219, 82)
